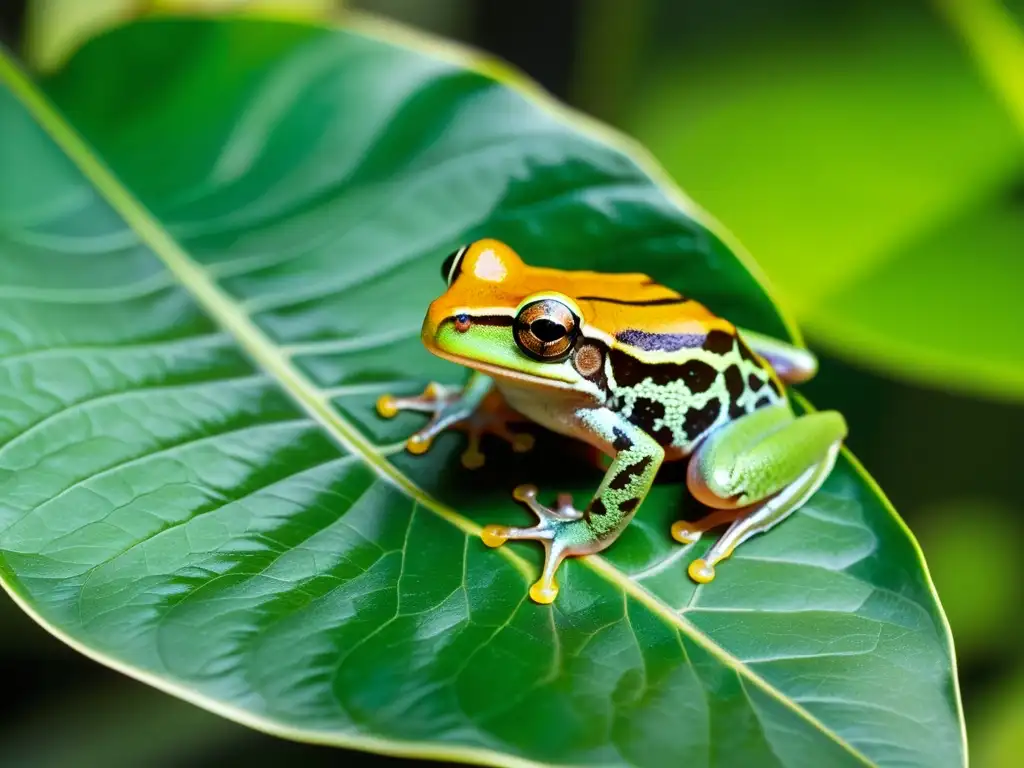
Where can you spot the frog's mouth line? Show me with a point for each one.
(501, 373)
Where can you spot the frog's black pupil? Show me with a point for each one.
(547, 330)
(462, 319)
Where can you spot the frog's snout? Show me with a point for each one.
(428, 333)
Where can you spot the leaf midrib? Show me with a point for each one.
(227, 312)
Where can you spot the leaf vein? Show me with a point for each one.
(122, 394)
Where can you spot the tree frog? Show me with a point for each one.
(642, 374)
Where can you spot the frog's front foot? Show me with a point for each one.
(458, 409)
(562, 530)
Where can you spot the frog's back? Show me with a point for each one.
(675, 369)
(632, 309)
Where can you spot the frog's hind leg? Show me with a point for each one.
(756, 472)
(762, 517)
(689, 532)
(792, 364)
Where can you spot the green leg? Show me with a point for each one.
(476, 409)
(565, 531)
(792, 364)
(756, 472)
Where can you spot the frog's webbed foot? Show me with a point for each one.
(562, 531)
(702, 570)
(471, 412)
(565, 531)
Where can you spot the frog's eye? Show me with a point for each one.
(546, 330)
(452, 265)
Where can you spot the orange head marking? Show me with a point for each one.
(484, 260)
(505, 317)
(480, 275)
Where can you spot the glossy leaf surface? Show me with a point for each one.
(196, 490)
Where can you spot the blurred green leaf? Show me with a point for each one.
(875, 174)
(973, 549)
(998, 730)
(195, 490)
(946, 308)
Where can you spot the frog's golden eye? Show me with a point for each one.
(546, 330)
(451, 266)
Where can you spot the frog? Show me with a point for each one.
(640, 374)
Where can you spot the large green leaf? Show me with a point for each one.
(874, 166)
(195, 489)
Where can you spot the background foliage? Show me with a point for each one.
(869, 155)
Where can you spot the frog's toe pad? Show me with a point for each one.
(523, 442)
(684, 533)
(524, 492)
(387, 406)
(701, 571)
(494, 535)
(544, 592)
(418, 444)
(473, 458)
(434, 391)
